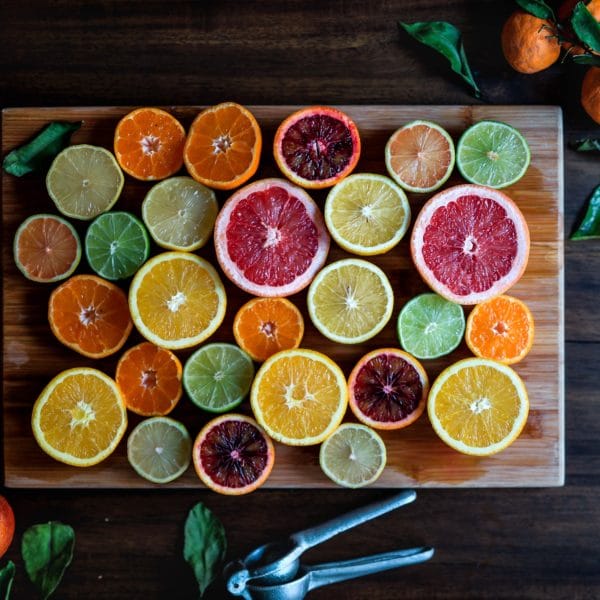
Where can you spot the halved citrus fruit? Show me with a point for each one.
(317, 146)
(149, 144)
(470, 243)
(420, 156)
(233, 455)
(223, 146)
(502, 329)
(7, 526)
(46, 248)
(478, 406)
(149, 378)
(90, 315)
(264, 326)
(270, 238)
(299, 396)
(388, 389)
(80, 417)
(177, 300)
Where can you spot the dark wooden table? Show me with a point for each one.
(493, 543)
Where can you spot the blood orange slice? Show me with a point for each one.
(470, 243)
(270, 238)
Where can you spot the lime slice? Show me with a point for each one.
(116, 245)
(492, 153)
(217, 377)
(430, 326)
(353, 456)
(180, 213)
(159, 449)
(84, 181)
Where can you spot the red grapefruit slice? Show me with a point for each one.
(270, 238)
(470, 243)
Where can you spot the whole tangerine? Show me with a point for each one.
(590, 93)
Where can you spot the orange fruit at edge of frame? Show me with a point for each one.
(7, 525)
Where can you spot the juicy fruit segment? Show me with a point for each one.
(116, 245)
(350, 301)
(217, 377)
(159, 449)
(353, 456)
(299, 397)
(149, 144)
(478, 406)
(149, 378)
(90, 315)
(388, 389)
(501, 329)
(367, 214)
(177, 300)
(492, 153)
(80, 417)
(46, 248)
(264, 326)
(223, 146)
(7, 525)
(233, 455)
(180, 213)
(317, 146)
(470, 243)
(430, 326)
(270, 238)
(420, 156)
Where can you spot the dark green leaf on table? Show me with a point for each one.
(586, 59)
(590, 226)
(7, 574)
(585, 26)
(37, 154)
(47, 550)
(586, 145)
(204, 544)
(447, 40)
(537, 8)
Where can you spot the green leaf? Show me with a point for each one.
(586, 145)
(446, 39)
(7, 574)
(204, 545)
(590, 226)
(39, 152)
(586, 28)
(586, 59)
(47, 550)
(537, 8)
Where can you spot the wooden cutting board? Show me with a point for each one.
(416, 457)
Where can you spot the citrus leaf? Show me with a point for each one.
(204, 544)
(446, 39)
(537, 8)
(586, 59)
(586, 27)
(7, 574)
(47, 551)
(39, 152)
(587, 145)
(590, 226)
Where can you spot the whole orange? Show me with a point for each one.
(564, 14)
(590, 93)
(529, 44)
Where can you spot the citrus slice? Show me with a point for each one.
(84, 181)
(46, 248)
(149, 144)
(367, 214)
(502, 329)
(180, 213)
(430, 326)
(7, 527)
(478, 406)
(223, 146)
(299, 396)
(177, 300)
(350, 301)
(149, 378)
(420, 156)
(80, 417)
(353, 456)
(270, 238)
(217, 377)
(264, 326)
(470, 243)
(159, 449)
(388, 389)
(233, 455)
(492, 153)
(116, 245)
(317, 146)
(90, 315)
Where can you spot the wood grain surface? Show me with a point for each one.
(416, 457)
